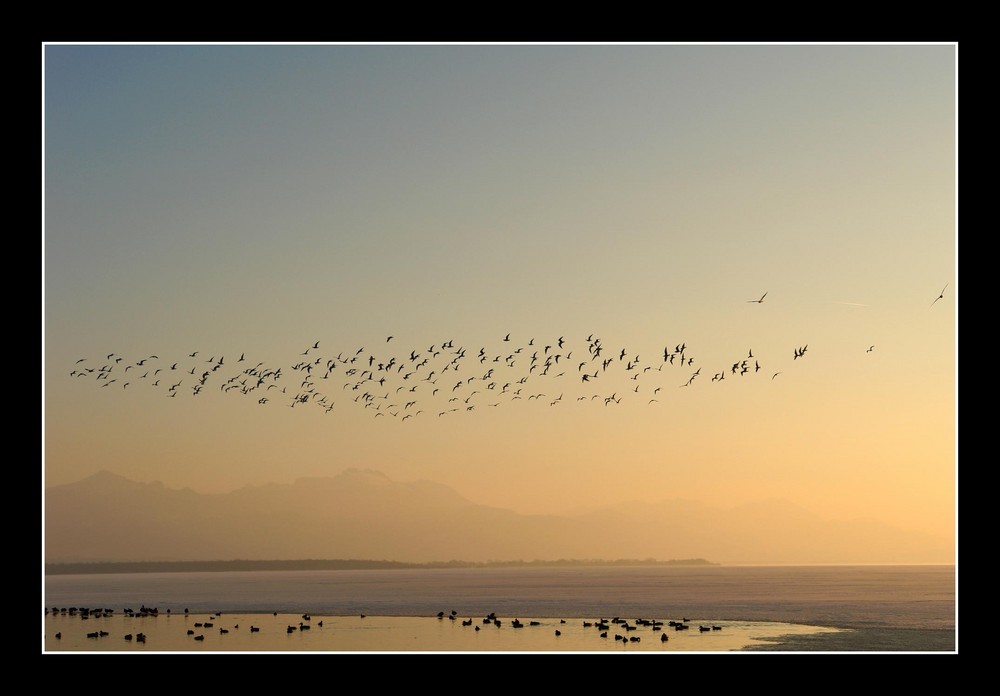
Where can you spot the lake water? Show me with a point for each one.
(831, 608)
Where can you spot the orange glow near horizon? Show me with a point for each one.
(456, 196)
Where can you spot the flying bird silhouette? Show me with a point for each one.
(392, 375)
(760, 300)
(941, 296)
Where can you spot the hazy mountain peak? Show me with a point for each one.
(369, 477)
(362, 513)
(103, 480)
(105, 476)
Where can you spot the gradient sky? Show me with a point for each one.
(258, 199)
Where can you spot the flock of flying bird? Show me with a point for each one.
(442, 379)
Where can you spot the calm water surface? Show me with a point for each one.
(899, 608)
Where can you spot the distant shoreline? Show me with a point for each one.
(106, 567)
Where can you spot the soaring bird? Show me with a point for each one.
(941, 296)
(760, 300)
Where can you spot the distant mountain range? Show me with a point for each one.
(362, 514)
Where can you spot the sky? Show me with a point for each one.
(301, 204)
